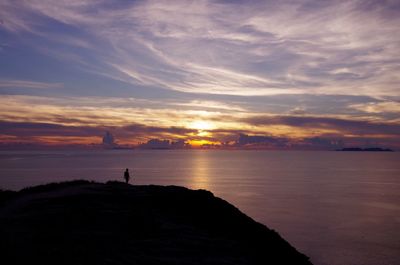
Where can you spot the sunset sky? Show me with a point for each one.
(299, 72)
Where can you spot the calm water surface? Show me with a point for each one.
(339, 208)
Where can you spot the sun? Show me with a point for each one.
(201, 125)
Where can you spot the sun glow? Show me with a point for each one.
(199, 143)
(201, 125)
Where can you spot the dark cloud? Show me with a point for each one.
(356, 127)
(139, 128)
(25, 132)
(28, 130)
(258, 140)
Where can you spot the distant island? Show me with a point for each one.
(370, 149)
(83, 222)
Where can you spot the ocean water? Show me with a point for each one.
(339, 208)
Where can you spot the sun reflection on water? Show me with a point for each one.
(200, 177)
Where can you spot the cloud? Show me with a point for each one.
(210, 104)
(143, 131)
(378, 107)
(342, 126)
(133, 133)
(272, 142)
(262, 48)
(224, 120)
(9, 83)
(29, 129)
(17, 133)
(294, 69)
(100, 111)
(261, 140)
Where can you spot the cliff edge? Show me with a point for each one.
(82, 222)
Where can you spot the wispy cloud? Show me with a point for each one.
(349, 127)
(378, 107)
(209, 104)
(279, 68)
(97, 111)
(230, 48)
(9, 83)
(223, 120)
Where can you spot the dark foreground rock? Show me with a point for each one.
(91, 223)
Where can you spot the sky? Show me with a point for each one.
(302, 74)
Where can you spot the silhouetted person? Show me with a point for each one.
(126, 176)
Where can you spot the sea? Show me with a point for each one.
(338, 208)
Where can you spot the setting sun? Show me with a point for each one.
(199, 143)
(201, 125)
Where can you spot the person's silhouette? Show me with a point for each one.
(126, 176)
